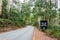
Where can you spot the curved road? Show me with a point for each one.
(20, 34)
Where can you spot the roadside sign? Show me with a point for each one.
(43, 24)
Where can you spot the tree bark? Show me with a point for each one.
(0, 8)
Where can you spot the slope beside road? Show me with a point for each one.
(39, 35)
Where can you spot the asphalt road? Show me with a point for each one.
(20, 34)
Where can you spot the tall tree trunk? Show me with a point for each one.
(5, 8)
(8, 8)
(0, 8)
(57, 20)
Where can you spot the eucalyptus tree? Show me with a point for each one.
(0, 8)
(30, 16)
(15, 13)
(5, 8)
(25, 11)
(45, 9)
(59, 16)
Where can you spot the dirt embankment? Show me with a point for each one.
(39, 35)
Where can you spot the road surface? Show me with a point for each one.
(20, 34)
(28, 33)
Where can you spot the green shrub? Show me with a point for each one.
(54, 31)
(5, 22)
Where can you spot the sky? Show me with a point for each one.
(22, 0)
(57, 0)
(58, 3)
